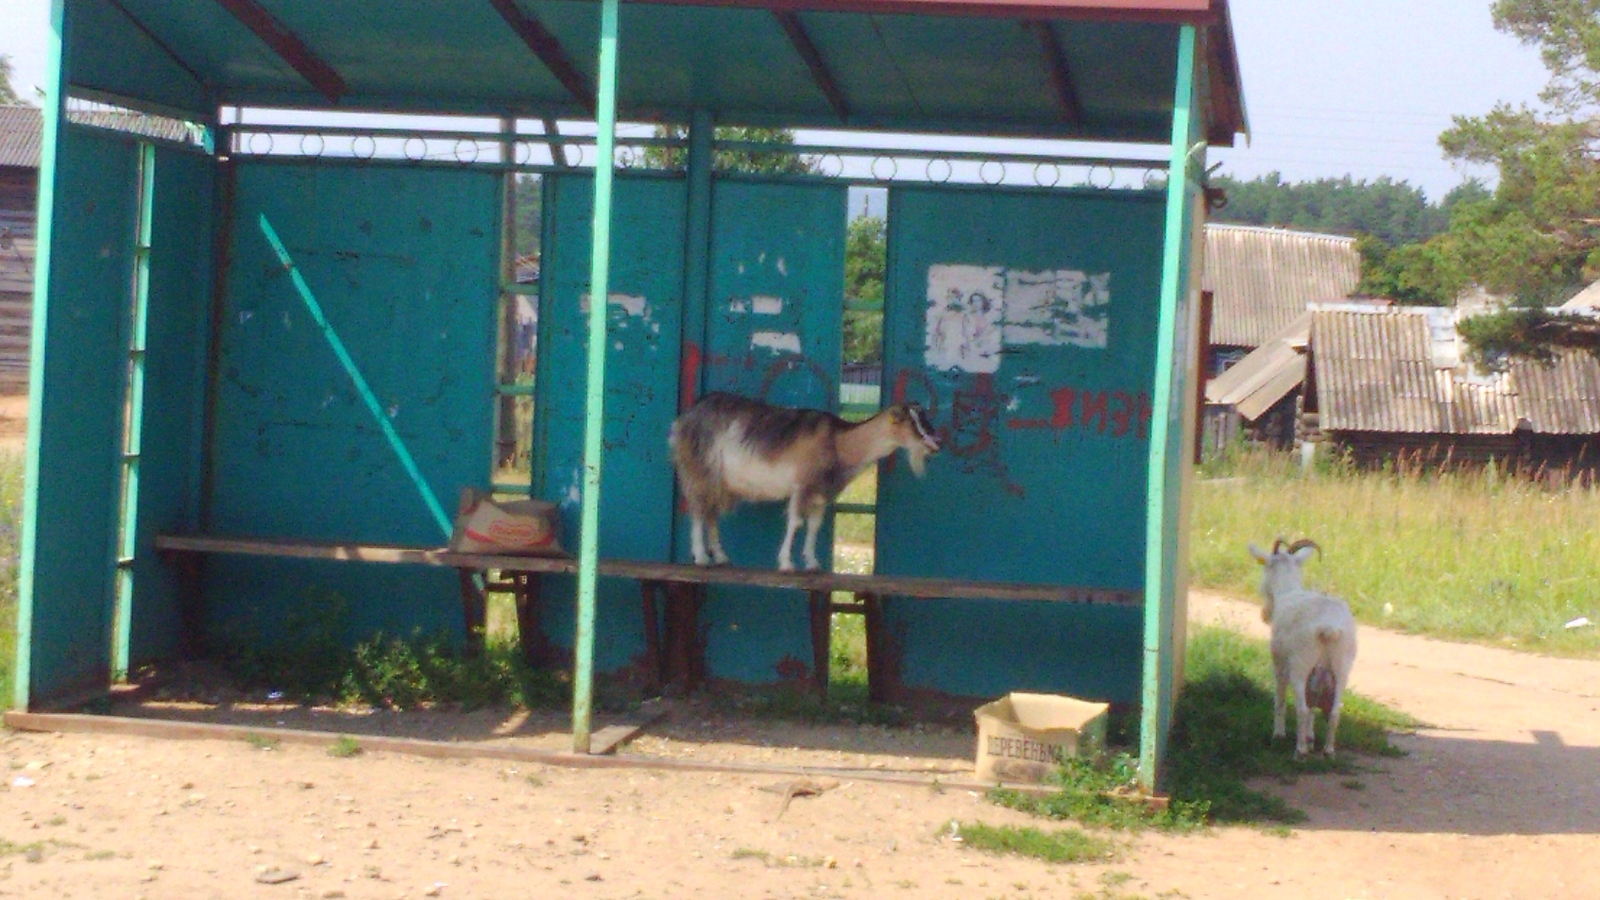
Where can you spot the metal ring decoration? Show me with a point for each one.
(983, 172)
(358, 152)
(467, 160)
(627, 158)
(1111, 176)
(251, 144)
(321, 145)
(941, 179)
(421, 154)
(521, 153)
(1154, 178)
(1038, 169)
(822, 165)
(894, 168)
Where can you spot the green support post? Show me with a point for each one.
(128, 539)
(55, 115)
(1151, 741)
(594, 400)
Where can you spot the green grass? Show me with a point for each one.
(310, 662)
(344, 748)
(1221, 739)
(10, 523)
(1069, 845)
(261, 742)
(1462, 555)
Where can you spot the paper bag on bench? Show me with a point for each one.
(523, 527)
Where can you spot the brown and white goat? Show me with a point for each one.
(729, 449)
(1313, 642)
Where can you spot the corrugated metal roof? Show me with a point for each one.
(1254, 384)
(1560, 398)
(1401, 370)
(1588, 298)
(20, 127)
(1263, 278)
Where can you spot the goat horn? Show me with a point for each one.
(1277, 545)
(1304, 543)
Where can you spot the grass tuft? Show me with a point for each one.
(1069, 845)
(312, 663)
(345, 747)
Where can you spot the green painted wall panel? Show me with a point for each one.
(645, 327)
(773, 332)
(1025, 320)
(405, 265)
(174, 387)
(84, 349)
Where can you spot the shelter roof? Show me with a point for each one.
(1084, 69)
(1262, 279)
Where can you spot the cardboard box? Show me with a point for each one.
(1025, 737)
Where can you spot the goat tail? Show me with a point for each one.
(1328, 635)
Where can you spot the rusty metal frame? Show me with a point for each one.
(1055, 61)
(549, 50)
(328, 82)
(800, 39)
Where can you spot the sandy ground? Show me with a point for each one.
(1500, 799)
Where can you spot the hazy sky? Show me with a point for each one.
(1359, 87)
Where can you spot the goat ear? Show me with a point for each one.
(898, 414)
(1259, 554)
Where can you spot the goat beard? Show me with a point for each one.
(917, 455)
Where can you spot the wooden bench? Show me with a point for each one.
(673, 652)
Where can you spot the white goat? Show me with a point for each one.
(1313, 642)
(729, 449)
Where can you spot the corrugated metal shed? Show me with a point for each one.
(1257, 382)
(20, 127)
(1401, 371)
(1588, 298)
(1263, 278)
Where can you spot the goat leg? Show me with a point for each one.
(786, 551)
(697, 539)
(813, 524)
(718, 555)
(1304, 725)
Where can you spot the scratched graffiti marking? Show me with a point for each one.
(975, 312)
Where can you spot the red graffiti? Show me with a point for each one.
(1115, 412)
(689, 376)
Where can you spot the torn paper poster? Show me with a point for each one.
(975, 312)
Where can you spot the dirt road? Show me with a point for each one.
(1500, 799)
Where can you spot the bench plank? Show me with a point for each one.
(880, 585)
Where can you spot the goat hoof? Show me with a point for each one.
(786, 567)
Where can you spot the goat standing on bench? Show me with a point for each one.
(729, 449)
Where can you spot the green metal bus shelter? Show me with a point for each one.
(278, 288)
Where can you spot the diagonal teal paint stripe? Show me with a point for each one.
(351, 369)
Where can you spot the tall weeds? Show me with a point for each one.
(1460, 553)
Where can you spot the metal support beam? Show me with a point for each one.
(288, 46)
(54, 114)
(1060, 76)
(558, 150)
(594, 398)
(1158, 562)
(803, 45)
(549, 50)
(166, 48)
